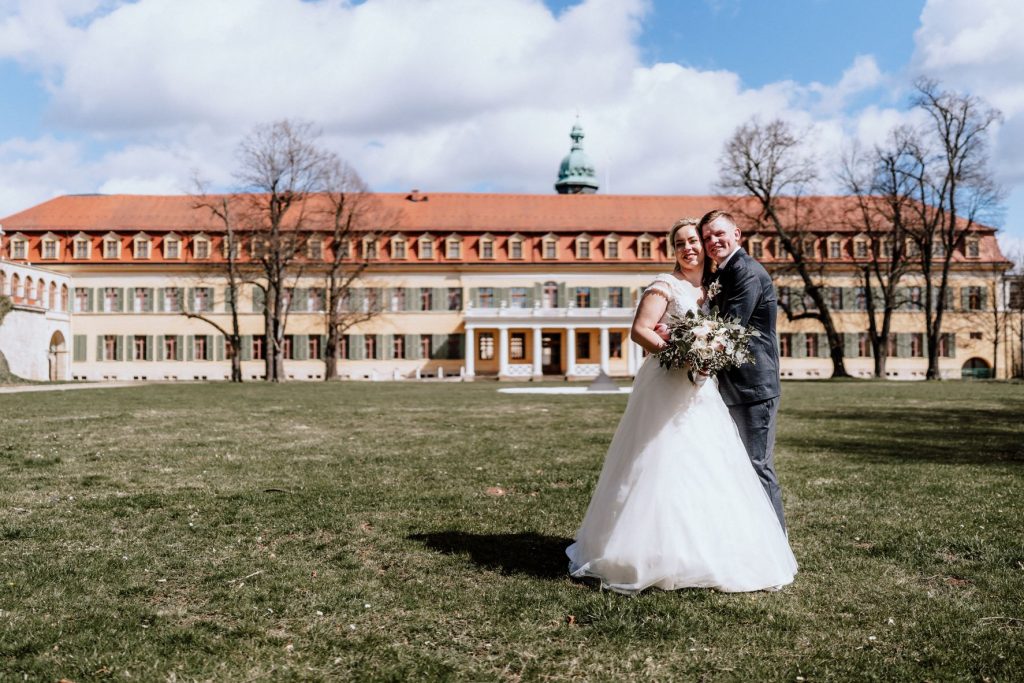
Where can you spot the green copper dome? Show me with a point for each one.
(576, 174)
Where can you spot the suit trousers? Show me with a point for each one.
(756, 424)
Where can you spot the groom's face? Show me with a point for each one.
(720, 238)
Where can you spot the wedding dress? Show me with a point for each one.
(678, 503)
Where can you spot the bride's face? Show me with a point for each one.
(689, 249)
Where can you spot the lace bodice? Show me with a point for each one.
(681, 295)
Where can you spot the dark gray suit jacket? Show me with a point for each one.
(749, 295)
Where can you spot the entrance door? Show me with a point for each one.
(551, 353)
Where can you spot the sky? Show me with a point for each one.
(113, 96)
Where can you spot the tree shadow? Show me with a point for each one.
(527, 553)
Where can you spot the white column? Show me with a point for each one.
(630, 352)
(502, 351)
(470, 352)
(538, 353)
(570, 350)
(604, 350)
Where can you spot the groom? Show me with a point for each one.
(752, 390)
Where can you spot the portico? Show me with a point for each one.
(531, 344)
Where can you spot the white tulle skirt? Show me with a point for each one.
(678, 503)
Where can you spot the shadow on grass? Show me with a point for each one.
(523, 553)
(973, 437)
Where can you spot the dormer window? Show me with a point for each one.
(453, 247)
(344, 248)
(140, 246)
(756, 245)
(111, 246)
(644, 247)
(426, 247)
(399, 248)
(911, 248)
(230, 248)
(887, 247)
(515, 247)
(487, 247)
(611, 247)
(172, 247)
(810, 248)
(50, 246)
(860, 247)
(81, 246)
(549, 247)
(370, 247)
(19, 247)
(583, 246)
(972, 248)
(201, 247)
(835, 247)
(315, 249)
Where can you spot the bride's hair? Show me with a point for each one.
(679, 225)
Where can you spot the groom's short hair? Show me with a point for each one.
(714, 215)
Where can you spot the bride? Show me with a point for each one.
(678, 503)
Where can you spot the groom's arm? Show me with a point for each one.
(741, 296)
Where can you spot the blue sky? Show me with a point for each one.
(111, 96)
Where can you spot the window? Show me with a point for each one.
(887, 247)
(201, 248)
(200, 347)
(860, 299)
(611, 247)
(517, 346)
(453, 248)
(398, 346)
(202, 299)
(485, 346)
(370, 346)
(171, 348)
(139, 346)
(313, 347)
(615, 297)
(426, 302)
(110, 299)
(486, 248)
(288, 347)
(550, 247)
(947, 345)
(172, 247)
(230, 248)
(257, 348)
(835, 249)
(583, 247)
(517, 297)
(81, 248)
(643, 248)
(976, 335)
(786, 345)
(615, 345)
(485, 297)
(938, 248)
(315, 250)
(142, 247)
(916, 345)
(398, 248)
(81, 299)
(172, 300)
(860, 249)
(912, 248)
(19, 248)
(974, 298)
(344, 249)
(454, 299)
(810, 249)
(110, 347)
(141, 300)
(515, 248)
(426, 346)
(369, 248)
(582, 346)
(550, 295)
(49, 249)
(835, 296)
(110, 248)
(426, 250)
(811, 344)
(583, 297)
(757, 249)
(973, 249)
(863, 345)
(914, 297)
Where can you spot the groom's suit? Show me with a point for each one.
(752, 391)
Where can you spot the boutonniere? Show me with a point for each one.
(714, 289)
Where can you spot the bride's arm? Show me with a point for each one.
(648, 314)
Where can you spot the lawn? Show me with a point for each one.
(416, 531)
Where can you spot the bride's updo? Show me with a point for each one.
(679, 225)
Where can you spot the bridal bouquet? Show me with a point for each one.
(706, 343)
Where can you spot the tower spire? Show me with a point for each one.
(576, 175)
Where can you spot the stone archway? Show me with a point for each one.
(57, 357)
(976, 368)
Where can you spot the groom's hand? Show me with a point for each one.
(661, 329)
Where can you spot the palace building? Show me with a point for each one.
(470, 285)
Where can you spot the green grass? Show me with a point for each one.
(346, 531)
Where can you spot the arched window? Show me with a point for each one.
(3, 283)
(64, 298)
(40, 292)
(28, 292)
(51, 302)
(16, 291)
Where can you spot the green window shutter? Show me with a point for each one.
(120, 343)
(90, 303)
(179, 341)
(190, 300)
(984, 299)
(436, 296)
(849, 298)
(119, 302)
(323, 347)
(229, 303)
(149, 347)
(160, 300)
(258, 298)
(438, 346)
(562, 301)
(951, 344)
(220, 347)
(799, 345)
(412, 347)
(412, 299)
(538, 292)
(159, 347)
(902, 345)
(189, 348)
(356, 347)
(474, 296)
(300, 347)
(823, 349)
(386, 346)
(149, 299)
(965, 298)
(850, 345)
(246, 342)
(81, 343)
(99, 347)
(300, 299)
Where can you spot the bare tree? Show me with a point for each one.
(1013, 299)
(352, 214)
(281, 170)
(769, 164)
(954, 190)
(882, 212)
(219, 207)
